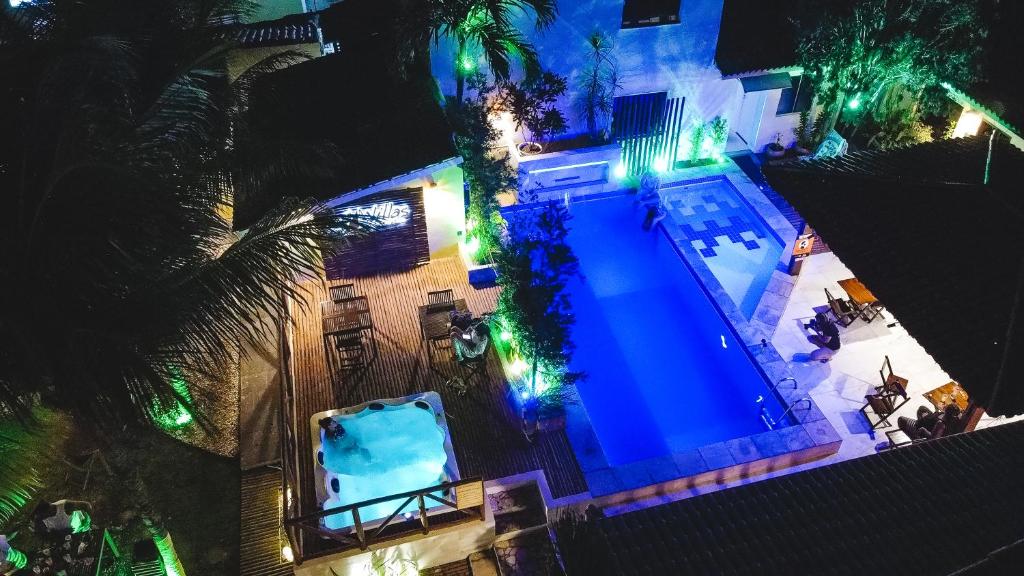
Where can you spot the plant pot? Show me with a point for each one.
(774, 151)
(530, 148)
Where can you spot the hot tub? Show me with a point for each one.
(389, 447)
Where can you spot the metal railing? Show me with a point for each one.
(468, 504)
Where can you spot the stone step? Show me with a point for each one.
(483, 564)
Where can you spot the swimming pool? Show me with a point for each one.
(732, 239)
(665, 372)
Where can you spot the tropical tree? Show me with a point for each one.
(120, 144)
(861, 54)
(487, 172)
(476, 26)
(532, 103)
(534, 267)
(597, 84)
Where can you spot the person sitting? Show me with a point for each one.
(929, 424)
(332, 428)
(826, 337)
(469, 342)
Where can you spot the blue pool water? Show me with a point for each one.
(732, 239)
(397, 449)
(664, 371)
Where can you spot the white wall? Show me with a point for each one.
(677, 58)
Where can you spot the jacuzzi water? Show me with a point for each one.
(664, 372)
(384, 452)
(732, 239)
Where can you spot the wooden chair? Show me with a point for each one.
(441, 299)
(891, 383)
(882, 406)
(844, 312)
(351, 351)
(343, 292)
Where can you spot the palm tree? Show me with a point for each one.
(478, 24)
(120, 144)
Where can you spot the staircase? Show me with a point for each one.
(522, 546)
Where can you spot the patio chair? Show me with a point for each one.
(843, 311)
(350, 350)
(883, 405)
(441, 299)
(343, 292)
(891, 383)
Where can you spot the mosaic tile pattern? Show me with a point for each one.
(707, 215)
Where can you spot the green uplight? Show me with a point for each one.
(466, 63)
(505, 336)
(176, 415)
(80, 522)
(854, 102)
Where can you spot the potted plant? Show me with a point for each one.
(532, 104)
(775, 149)
(804, 134)
(719, 128)
(597, 86)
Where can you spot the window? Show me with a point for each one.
(639, 13)
(797, 98)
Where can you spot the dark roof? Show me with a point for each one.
(382, 125)
(943, 251)
(292, 29)
(927, 509)
(756, 35)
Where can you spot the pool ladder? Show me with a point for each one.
(767, 418)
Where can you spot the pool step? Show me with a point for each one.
(483, 564)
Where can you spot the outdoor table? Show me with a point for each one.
(435, 322)
(948, 393)
(345, 317)
(861, 297)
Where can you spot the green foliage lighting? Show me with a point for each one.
(173, 414)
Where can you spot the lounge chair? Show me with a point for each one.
(844, 312)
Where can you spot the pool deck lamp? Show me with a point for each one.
(620, 170)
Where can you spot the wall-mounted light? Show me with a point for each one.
(286, 553)
(968, 124)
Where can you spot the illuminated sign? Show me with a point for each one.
(388, 214)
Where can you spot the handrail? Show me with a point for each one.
(382, 499)
(776, 385)
(789, 410)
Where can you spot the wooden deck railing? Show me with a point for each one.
(467, 503)
(432, 512)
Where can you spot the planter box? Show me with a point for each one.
(548, 418)
(481, 275)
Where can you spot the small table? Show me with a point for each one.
(435, 322)
(948, 393)
(862, 298)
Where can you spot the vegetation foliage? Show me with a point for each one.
(485, 165)
(532, 104)
(120, 144)
(597, 86)
(25, 453)
(476, 27)
(869, 57)
(534, 268)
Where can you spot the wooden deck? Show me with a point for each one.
(484, 429)
(260, 538)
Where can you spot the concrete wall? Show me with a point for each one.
(441, 547)
(443, 203)
(242, 59)
(677, 58)
(573, 172)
